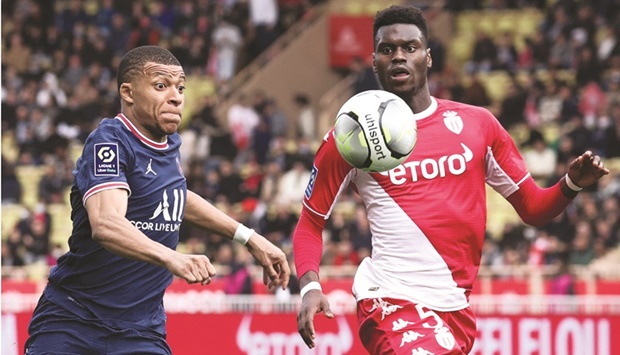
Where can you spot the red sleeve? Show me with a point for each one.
(308, 242)
(328, 179)
(537, 206)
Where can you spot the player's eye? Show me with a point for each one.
(181, 89)
(411, 48)
(160, 86)
(386, 50)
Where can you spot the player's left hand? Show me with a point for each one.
(276, 271)
(586, 169)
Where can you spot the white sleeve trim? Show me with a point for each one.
(106, 186)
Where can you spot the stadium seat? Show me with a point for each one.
(11, 214)
(29, 177)
(61, 224)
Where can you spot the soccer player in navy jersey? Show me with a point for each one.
(105, 296)
(427, 216)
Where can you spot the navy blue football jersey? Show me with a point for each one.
(117, 156)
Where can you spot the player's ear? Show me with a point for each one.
(429, 59)
(374, 64)
(126, 92)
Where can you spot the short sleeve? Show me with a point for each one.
(103, 164)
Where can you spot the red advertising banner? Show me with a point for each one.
(265, 334)
(205, 320)
(349, 37)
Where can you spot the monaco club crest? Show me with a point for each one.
(453, 121)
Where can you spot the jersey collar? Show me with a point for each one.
(146, 141)
(428, 111)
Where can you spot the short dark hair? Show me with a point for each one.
(133, 61)
(397, 14)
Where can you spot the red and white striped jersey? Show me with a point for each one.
(428, 215)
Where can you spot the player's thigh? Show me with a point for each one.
(130, 341)
(398, 327)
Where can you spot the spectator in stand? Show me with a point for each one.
(271, 182)
(11, 188)
(364, 76)
(536, 53)
(119, 34)
(507, 56)
(550, 103)
(261, 140)
(239, 280)
(36, 234)
(264, 19)
(227, 41)
(144, 33)
(293, 184)
(513, 105)
(242, 119)
(484, 54)
(52, 186)
(306, 118)
(231, 183)
(611, 143)
(359, 231)
(278, 224)
(562, 52)
(539, 158)
(582, 248)
(17, 55)
(475, 93)
(278, 122)
(563, 282)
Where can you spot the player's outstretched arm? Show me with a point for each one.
(537, 206)
(106, 214)
(313, 301)
(276, 271)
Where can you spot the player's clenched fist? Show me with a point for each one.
(191, 268)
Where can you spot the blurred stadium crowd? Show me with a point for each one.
(557, 91)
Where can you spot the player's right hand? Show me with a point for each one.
(191, 268)
(314, 301)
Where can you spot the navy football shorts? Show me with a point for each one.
(55, 330)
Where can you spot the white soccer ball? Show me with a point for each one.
(375, 131)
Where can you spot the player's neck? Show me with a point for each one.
(420, 101)
(141, 127)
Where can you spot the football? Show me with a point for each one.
(375, 131)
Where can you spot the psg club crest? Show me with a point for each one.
(453, 121)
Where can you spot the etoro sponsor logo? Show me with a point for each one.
(428, 169)
(259, 342)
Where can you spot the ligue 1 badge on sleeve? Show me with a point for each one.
(106, 159)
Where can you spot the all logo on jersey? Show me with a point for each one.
(453, 121)
(106, 159)
(310, 186)
(170, 214)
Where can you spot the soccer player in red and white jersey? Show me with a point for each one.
(427, 216)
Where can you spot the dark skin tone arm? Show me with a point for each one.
(314, 302)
